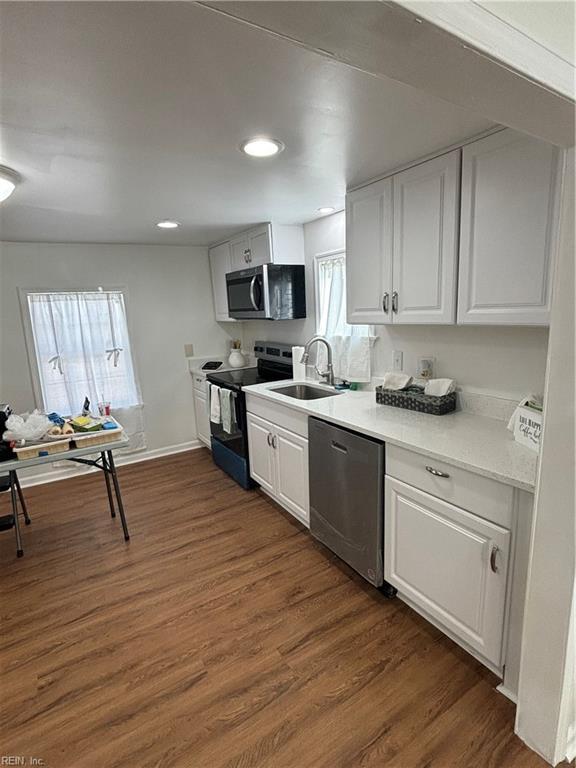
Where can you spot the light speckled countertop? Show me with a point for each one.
(476, 443)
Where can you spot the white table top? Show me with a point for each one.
(18, 464)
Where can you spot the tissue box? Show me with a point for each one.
(528, 427)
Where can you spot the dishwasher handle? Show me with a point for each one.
(339, 447)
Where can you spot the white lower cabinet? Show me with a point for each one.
(261, 452)
(279, 462)
(450, 564)
(202, 417)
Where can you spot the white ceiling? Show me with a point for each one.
(120, 114)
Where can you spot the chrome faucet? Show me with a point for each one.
(329, 372)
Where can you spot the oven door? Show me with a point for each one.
(237, 440)
(247, 294)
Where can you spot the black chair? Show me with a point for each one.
(7, 521)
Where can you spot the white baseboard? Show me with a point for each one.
(571, 745)
(507, 692)
(64, 473)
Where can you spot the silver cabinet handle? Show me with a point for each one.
(252, 297)
(437, 472)
(493, 553)
(269, 439)
(274, 441)
(385, 302)
(395, 301)
(247, 255)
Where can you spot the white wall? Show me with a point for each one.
(504, 361)
(546, 707)
(169, 304)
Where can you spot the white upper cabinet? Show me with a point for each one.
(508, 226)
(369, 254)
(260, 246)
(426, 206)
(220, 263)
(239, 252)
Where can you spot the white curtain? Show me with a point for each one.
(83, 350)
(351, 344)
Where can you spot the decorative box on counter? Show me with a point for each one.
(528, 427)
(414, 399)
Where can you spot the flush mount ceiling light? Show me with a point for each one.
(326, 209)
(168, 224)
(8, 180)
(260, 146)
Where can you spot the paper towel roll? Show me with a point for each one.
(298, 368)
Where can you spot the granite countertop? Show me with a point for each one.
(476, 443)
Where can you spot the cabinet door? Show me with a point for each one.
(450, 563)
(426, 205)
(292, 473)
(259, 245)
(262, 465)
(508, 226)
(369, 254)
(239, 250)
(202, 418)
(220, 265)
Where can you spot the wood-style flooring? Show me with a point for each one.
(221, 636)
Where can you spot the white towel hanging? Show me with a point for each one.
(215, 411)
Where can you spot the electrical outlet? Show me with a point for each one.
(397, 360)
(189, 350)
(426, 367)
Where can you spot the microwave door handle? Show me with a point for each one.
(252, 297)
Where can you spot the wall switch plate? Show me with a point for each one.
(189, 350)
(397, 360)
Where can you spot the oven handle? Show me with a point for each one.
(252, 298)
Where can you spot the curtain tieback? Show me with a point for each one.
(115, 354)
(56, 363)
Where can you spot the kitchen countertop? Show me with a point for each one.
(476, 443)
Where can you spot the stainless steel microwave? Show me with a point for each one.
(267, 292)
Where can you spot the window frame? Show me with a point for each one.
(30, 345)
(318, 257)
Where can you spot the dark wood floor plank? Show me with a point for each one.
(221, 636)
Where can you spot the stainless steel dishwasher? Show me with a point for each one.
(347, 498)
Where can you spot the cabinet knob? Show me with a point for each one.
(493, 553)
(385, 302)
(437, 472)
(395, 301)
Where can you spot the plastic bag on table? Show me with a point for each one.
(28, 426)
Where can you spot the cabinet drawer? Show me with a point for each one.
(199, 382)
(484, 497)
(279, 415)
(450, 564)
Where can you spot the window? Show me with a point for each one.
(330, 277)
(82, 348)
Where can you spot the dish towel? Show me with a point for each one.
(215, 412)
(439, 387)
(227, 410)
(396, 380)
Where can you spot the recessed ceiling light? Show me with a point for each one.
(168, 224)
(261, 146)
(8, 181)
(325, 210)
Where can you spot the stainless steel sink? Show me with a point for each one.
(305, 392)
